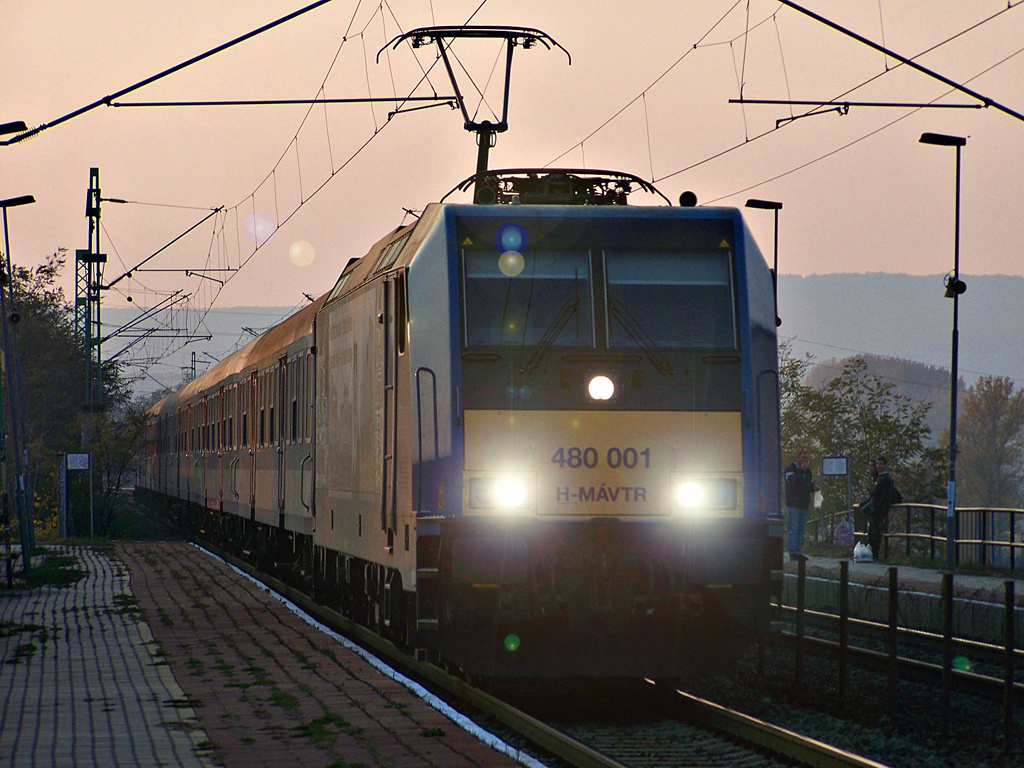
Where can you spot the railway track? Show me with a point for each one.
(689, 731)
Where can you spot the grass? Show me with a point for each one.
(282, 699)
(8, 629)
(53, 571)
(127, 604)
(24, 651)
(324, 729)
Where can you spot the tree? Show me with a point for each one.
(859, 416)
(990, 445)
(53, 374)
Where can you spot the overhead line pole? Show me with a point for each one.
(904, 60)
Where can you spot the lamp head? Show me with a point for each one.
(942, 140)
(13, 202)
(954, 287)
(770, 205)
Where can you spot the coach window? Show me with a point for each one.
(263, 426)
(671, 299)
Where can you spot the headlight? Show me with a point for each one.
(701, 494)
(498, 492)
(689, 494)
(601, 388)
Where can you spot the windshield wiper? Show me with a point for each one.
(572, 304)
(640, 336)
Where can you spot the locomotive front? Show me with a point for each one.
(613, 510)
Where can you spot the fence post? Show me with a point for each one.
(986, 532)
(931, 535)
(1008, 638)
(1013, 540)
(906, 511)
(801, 586)
(947, 647)
(844, 617)
(893, 638)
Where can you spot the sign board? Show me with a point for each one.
(78, 461)
(833, 466)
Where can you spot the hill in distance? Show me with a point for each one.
(832, 317)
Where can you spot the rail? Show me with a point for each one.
(984, 537)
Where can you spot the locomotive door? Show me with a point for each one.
(389, 474)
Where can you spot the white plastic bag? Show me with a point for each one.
(862, 553)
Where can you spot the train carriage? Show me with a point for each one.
(541, 438)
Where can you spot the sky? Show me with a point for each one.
(649, 91)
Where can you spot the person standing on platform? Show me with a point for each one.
(800, 489)
(863, 510)
(882, 498)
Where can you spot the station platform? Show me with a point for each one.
(162, 655)
(979, 601)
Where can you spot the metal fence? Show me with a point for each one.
(983, 537)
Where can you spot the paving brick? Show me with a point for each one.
(211, 671)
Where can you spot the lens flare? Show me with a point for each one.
(511, 237)
(511, 263)
(259, 226)
(512, 642)
(962, 664)
(302, 253)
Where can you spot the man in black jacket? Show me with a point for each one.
(799, 490)
(882, 498)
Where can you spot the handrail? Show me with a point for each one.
(302, 481)
(920, 530)
(233, 466)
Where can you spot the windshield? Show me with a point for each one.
(545, 297)
(669, 299)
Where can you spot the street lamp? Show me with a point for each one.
(954, 287)
(771, 205)
(12, 369)
(17, 126)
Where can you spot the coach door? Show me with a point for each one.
(253, 444)
(280, 414)
(219, 446)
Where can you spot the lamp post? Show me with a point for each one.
(954, 287)
(12, 371)
(771, 205)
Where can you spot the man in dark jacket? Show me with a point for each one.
(799, 490)
(882, 498)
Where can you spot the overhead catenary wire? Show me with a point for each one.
(702, 43)
(281, 220)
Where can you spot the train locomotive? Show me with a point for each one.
(534, 438)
